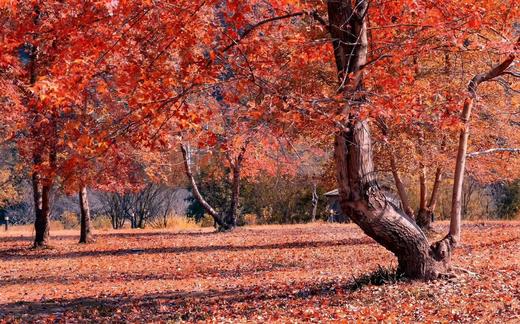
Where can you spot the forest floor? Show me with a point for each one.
(254, 274)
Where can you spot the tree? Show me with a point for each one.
(85, 232)
(495, 72)
(357, 183)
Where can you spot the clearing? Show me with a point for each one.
(261, 274)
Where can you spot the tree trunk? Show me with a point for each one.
(85, 232)
(458, 178)
(314, 202)
(232, 214)
(436, 189)
(40, 190)
(423, 191)
(358, 188)
(186, 154)
(425, 216)
(401, 190)
(460, 164)
(41, 194)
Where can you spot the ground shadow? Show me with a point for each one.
(17, 253)
(171, 305)
(216, 273)
(25, 238)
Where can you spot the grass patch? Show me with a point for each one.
(381, 276)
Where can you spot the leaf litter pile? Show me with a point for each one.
(294, 273)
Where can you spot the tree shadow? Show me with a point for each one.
(17, 253)
(25, 238)
(172, 305)
(216, 273)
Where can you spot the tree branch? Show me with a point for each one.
(251, 28)
(494, 150)
(493, 73)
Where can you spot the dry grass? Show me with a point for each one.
(318, 272)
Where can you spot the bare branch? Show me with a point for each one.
(494, 150)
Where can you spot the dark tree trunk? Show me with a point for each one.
(85, 232)
(41, 194)
(423, 191)
(314, 202)
(358, 188)
(40, 189)
(232, 214)
(140, 223)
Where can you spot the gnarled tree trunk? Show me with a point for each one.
(358, 188)
(85, 232)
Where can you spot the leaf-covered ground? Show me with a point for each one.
(259, 274)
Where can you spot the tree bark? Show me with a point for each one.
(232, 214)
(85, 232)
(41, 194)
(425, 216)
(423, 191)
(358, 188)
(314, 202)
(401, 190)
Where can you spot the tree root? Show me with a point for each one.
(466, 271)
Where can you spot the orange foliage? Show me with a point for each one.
(258, 274)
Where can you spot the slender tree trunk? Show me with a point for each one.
(40, 190)
(186, 154)
(314, 202)
(357, 185)
(401, 190)
(423, 190)
(436, 190)
(425, 216)
(85, 232)
(232, 214)
(460, 164)
(456, 199)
